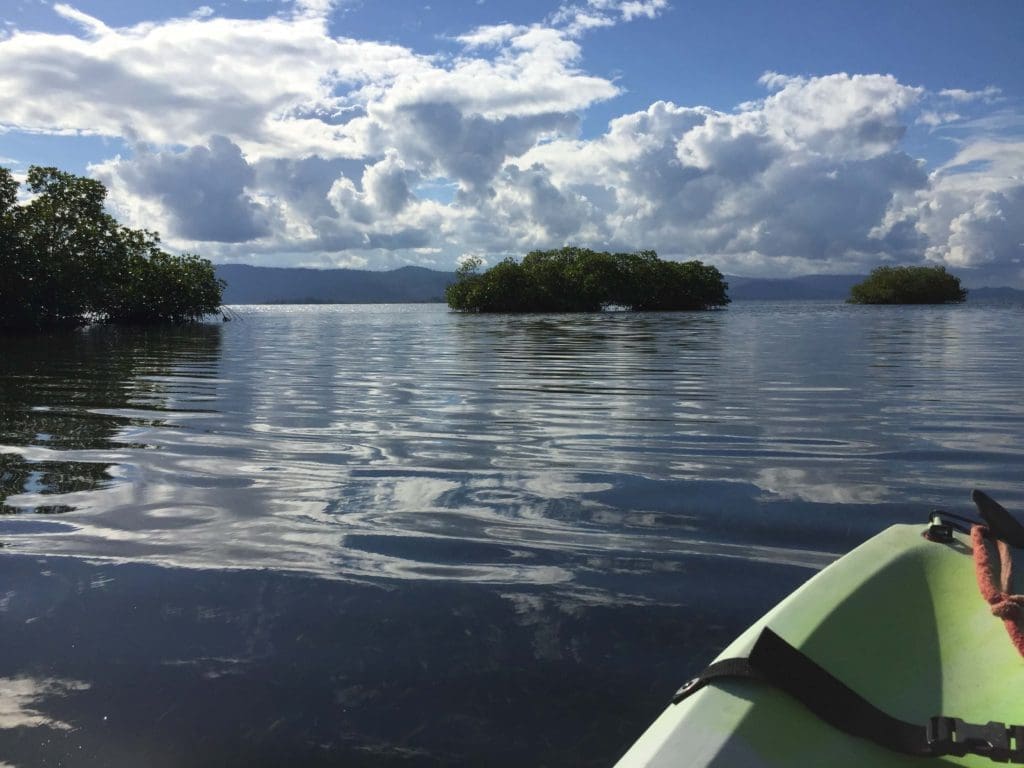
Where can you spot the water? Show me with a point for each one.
(395, 536)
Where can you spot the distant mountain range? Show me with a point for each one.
(1003, 295)
(293, 285)
(817, 287)
(834, 287)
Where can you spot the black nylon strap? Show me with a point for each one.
(1001, 523)
(776, 662)
(832, 700)
(739, 667)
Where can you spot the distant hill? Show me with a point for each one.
(835, 288)
(806, 287)
(996, 295)
(293, 285)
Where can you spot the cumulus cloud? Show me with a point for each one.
(802, 177)
(387, 184)
(857, 116)
(973, 210)
(490, 35)
(443, 141)
(270, 140)
(576, 19)
(559, 215)
(649, 9)
(92, 26)
(990, 230)
(182, 80)
(773, 81)
(959, 94)
(203, 190)
(934, 119)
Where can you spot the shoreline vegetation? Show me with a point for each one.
(581, 280)
(248, 284)
(67, 263)
(908, 285)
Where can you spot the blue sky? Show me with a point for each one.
(769, 138)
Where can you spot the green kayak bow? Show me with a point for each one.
(891, 656)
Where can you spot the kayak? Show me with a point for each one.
(902, 625)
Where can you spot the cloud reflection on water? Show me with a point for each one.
(22, 699)
(364, 535)
(357, 443)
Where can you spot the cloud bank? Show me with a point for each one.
(271, 141)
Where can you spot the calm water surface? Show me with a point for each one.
(395, 536)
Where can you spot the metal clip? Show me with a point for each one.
(996, 741)
(686, 689)
(939, 530)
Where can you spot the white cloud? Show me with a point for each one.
(842, 115)
(22, 700)
(934, 119)
(973, 210)
(576, 19)
(959, 94)
(491, 35)
(181, 81)
(270, 141)
(91, 25)
(774, 81)
(649, 9)
(583, 21)
(314, 9)
(204, 192)
(798, 179)
(386, 184)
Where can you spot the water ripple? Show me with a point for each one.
(411, 443)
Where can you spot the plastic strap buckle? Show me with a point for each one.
(996, 741)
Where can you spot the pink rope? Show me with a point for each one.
(995, 586)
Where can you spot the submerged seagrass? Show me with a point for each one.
(581, 280)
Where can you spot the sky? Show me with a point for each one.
(767, 138)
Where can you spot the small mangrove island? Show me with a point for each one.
(908, 285)
(581, 280)
(66, 262)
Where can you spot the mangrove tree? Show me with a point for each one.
(908, 285)
(581, 280)
(65, 261)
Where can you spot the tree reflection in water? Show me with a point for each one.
(64, 401)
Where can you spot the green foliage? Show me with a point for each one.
(908, 285)
(65, 261)
(581, 280)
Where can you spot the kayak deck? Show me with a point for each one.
(901, 621)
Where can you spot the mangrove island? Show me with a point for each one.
(908, 285)
(581, 280)
(66, 262)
